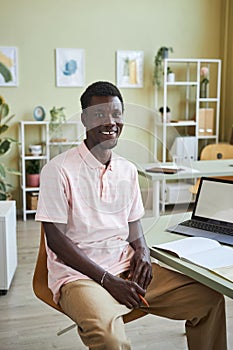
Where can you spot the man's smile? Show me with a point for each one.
(108, 132)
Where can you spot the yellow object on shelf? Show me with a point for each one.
(32, 200)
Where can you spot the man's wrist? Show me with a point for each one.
(143, 250)
(103, 278)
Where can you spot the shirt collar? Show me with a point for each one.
(90, 160)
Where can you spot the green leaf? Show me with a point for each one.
(10, 186)
(11, 139)
(2, 171)
(3, 196)
(9, 119)
(13, 171)
(6, 73)
(2, 187)
(4, 110)
(3, 128)
(4, 146)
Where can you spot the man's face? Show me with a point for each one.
(103, 120)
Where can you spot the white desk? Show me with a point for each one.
(155, 233)
(196, 169)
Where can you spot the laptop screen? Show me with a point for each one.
(214, 200)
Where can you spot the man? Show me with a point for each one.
(98, 262)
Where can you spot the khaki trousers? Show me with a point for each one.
(100, 317)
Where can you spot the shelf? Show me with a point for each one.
(25, 122)
(192, 60)
(64, 143)
(172, 132)
(207, 137)
(30, 211)
(186, 104)
(182, 83)
(208, 99)
(34, 157)
(30, 189)
(71, 136)
(181, 123)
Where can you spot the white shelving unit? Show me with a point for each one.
(188, 75)
(183, 98)
(39, 133)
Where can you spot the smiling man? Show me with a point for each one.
(103, 120)
(99, 266)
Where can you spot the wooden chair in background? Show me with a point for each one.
(42, 291)
(214, 152)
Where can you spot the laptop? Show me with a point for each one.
(212, 215)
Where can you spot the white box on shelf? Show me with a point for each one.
(206, 121)
(184, 147)
(177, 193)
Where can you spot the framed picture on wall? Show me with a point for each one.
(70, 67)
(8, 66)
(129, 69)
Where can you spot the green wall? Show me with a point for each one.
(37, 28)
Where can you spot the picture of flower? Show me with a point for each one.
(8, 66)
(70, 67)
(130, 69)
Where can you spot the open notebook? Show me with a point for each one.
(212, 215)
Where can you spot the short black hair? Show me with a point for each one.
(100, 88)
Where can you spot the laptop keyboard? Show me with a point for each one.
(208, 227)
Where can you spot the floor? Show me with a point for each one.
(28, 324)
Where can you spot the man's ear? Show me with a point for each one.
(84, 118)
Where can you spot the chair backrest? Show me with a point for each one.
(212, 152)
(40, 277)
(217, 151)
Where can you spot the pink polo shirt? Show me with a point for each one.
(96, 204)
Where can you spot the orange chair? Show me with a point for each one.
(213, 152)
(42, 291)
(217, 151)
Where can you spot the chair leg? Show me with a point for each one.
(67, 329)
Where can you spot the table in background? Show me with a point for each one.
(195, 169)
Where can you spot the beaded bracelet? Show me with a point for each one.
(102, 278)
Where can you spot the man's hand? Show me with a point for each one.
(140, 268)
(140, 264)
(126, 292)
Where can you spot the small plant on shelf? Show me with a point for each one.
(169, 70)
(33, 166)
(33, 173)
(58, 118)
(161, 54)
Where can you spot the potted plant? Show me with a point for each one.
(33, 173)
(168, 114)
(55, 126)
(204, 82)
(161, 54)
(5, 147)
(170, 75)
